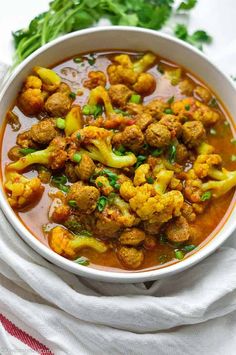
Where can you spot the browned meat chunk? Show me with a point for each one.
(132, 138)
(157, 135)
(178, 231)
(130, 257)
(106, 226)
(60, 214)
(59, 156)
(143, 120)
(188, 212)
(156, 108)
(84, 197)
(85, 168)
(95, 78)
(181, 153)
(193, 133)
(173, 125)
(132, 236)
(14, 153)
(58, 104)
(44, 131)
(70, 172)
(119, 94)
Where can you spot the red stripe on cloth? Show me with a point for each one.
(24, 337)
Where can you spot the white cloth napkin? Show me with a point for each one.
(191, 313)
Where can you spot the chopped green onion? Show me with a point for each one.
(213, 132)
(213, 102)
(60, 123)
(124, 113)
(78, 136)
(135, 99)
(179, 254)
(233, 157)
(171, 100)
(109, 173)
(163, 259)
(140, 160)
(72, 95)
(150, 180)
(187, 107)
(82, 260)
(101, 204)
(86, 110)
(172, 153)
(188, 248)
(117, 186)
(120, 150)
(63, 188)
(226, 123)
(111, 198)
(91, 59)
(86, 233)
(26, 151)
(77, 158)
(99, 184)
(72, 203)
(59, 179)
(206, 196)
(157, 152)
(163, 239)
(168, 111)
(78, 60)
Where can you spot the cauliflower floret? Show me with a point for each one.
(205, 163)
(95, 78)
(103, 185)
(54, 156)
(84, 197)
(22, 191)
(31, 101)
(157, 135)
(145, 84)
(107, 226)
(132, 237)
(193, 185)
(131, 258)
(66, 244)
(33, 82)
(119, 94)
(132, 138)
(85, 168)
(97, 143)
(123, 71)
(193, 133)
(127, 190)
(25, 140)
(193, 109)
(141, 174)
(203, 93)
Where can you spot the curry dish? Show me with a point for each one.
(117, 160)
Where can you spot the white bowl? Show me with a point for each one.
(133, 39)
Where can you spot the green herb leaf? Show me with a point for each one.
(101, 204)
(188, 248)
(150, 180)
(82, 260)
(72, 203)
(72, 95)
(59, 181)
(187, 5)
(135, 98)
(206, 196)
(78, 60)
(157, 152)
(122, 112)
(213, 103)
(171, 100)
(196, 39)
(140, 160)
(163, 259)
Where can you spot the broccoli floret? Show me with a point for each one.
(73, 120)
(66, 244)
(54, 156)
(97, 143)
(22, 191)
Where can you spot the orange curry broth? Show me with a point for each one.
(206, 224)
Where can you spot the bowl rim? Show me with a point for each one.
(106, 275)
